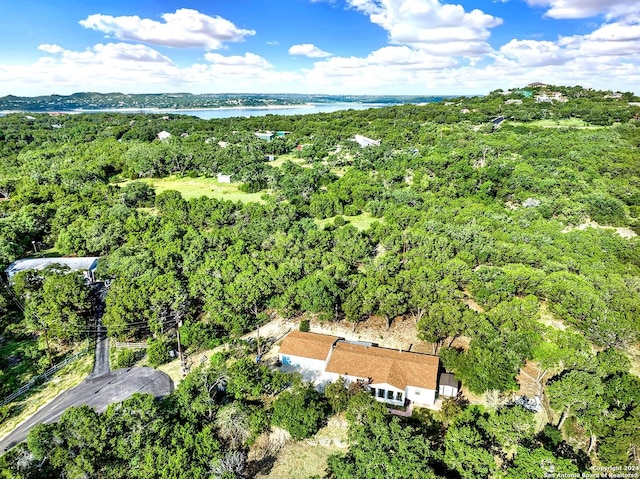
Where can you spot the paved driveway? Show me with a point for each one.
(96, 392)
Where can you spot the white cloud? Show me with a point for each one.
(51, 48)
(308, 50)
(105, 55)
(183, 29)
(532, 53)
(247, 60)
(429, 24)
(387, 66)
(586, 8)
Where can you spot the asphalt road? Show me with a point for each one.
(101, 361)
(96, 392)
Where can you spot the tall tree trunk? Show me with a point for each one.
(592, 443)
(563, 418)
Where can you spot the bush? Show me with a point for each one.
(300, 411)
(304, 326)
(125, 358)
(5, 412)
(339, 221)
(157, 352)
(351, 210)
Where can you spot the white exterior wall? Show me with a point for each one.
(298, 361)
(422, 396)
(448, 391)
(385, 399)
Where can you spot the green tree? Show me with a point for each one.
(301, 411)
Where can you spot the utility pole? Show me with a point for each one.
(183, 362)
(259, 354)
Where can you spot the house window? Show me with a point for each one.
(416, 392)
(373, 391)
(381, 393)
(390, 395)
(398, 396)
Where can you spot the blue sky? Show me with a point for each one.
(316, 46)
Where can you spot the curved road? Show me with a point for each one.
(96, 392)
(100, 389)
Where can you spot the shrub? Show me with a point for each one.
(157, 352)
(304, 326)
(300, 411)
(125, 358)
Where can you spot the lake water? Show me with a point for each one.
(276, 110)
(209, 113)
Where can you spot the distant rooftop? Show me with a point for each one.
(87, 263)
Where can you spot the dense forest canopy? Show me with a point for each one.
(510, 220)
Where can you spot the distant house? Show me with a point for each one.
(282, 134)
(306, 350)
(164, 135)
(513, 102)
(269, 157)
(448, 386)
(536, 84)
(363, 141)
(497, 120)
(267, 135)
(86, 264)
(223, 144)
(551, 97)
(224, 178)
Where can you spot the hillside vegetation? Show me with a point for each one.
(520, 216)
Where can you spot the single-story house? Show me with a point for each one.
(364, 141)
(306, 350)
(269, 157)
(267, 135)
(86, 264)
(164, 135)
(392, 376)
(224, 178)
(448, 385)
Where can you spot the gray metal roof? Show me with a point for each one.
(448, 379)
(87, 263)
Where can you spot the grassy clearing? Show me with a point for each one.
(305, 459)
(23, 369)
(362, 221)
(549, 319)
(27, 404)
(634, 356)
(560, 123)
(282, 159)
(196, 187)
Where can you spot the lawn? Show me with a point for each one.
(26, 405)
(196, 187)
(362, 221)
(282, 159)
(560, 123)
(308, 458)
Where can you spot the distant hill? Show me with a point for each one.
(99, 101)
